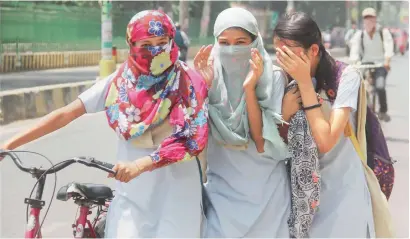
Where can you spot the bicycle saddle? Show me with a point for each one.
(87, 190)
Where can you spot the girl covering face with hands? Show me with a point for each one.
(345, 208)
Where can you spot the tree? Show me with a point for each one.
(206, 15)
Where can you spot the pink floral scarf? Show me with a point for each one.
(151, 86)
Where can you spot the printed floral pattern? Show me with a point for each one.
(123, 92)
(137, 101)
(201, 118)
(156, 28)
(205, 107)
(331, 93)
(113, 113)
(133, 113)
(160, 63)
(146, 81)
(122, 122)
(128, 75)
(304, 171)
(154, 49)
(175, 86)
(138, 131)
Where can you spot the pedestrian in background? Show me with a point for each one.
(182, 41)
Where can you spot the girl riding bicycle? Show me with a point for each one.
(158, 107)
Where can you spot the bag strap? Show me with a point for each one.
(381, 34)
(355, 142)
(361, 45)
(361, 146)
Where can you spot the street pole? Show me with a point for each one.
(290, 7)
(107, 64)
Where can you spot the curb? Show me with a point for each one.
(55, 60)
(12, 62)
(29, 103)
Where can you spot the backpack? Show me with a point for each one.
(381, 36)
(378, 156)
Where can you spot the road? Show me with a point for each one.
(90, 136)
(16, 80)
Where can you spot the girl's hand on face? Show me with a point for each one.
(255, 71)
(204, 64)
(291, 103)
(298, 67)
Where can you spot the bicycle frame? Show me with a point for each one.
(80, 229)
(33, 226)
(33, 229)
(83, 226)
(370, 83)
(82, 221)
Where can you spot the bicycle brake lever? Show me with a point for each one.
(84, 160)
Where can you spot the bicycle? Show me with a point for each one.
(87, 196)
(370, 83)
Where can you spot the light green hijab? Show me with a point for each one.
(227, 105)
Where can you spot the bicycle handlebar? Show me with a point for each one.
(87, 161)
(368, 66)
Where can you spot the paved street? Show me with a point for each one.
(80, 138)
(16, 80)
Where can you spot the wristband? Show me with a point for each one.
(312, 107)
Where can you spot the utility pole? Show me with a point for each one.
(107, 64)
(291, 7)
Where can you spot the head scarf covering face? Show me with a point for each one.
(148, 24)
(152, 86)
(227, 106)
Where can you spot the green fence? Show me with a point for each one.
(41, 26)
